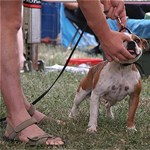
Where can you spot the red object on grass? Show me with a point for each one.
(88, 61)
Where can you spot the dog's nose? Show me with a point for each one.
(131, 45)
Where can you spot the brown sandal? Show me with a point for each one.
(40, 140)
(13, 134)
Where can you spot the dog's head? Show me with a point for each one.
(136, 47)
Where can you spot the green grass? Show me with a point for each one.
(111, 134)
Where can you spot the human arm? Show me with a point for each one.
(111, 41)
(114, 9)
(71, 5)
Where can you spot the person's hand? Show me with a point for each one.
(119, 10)
(119, 7)
(113, 46)
(114, 9)
(106, 5)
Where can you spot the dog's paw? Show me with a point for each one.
(92, 129)
(132, 129)
(73, 113)
(109, 112)
(110, 115)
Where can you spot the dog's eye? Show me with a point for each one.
(137, 41)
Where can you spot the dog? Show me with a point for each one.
(112, 81)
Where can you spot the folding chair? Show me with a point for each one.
(79, 23)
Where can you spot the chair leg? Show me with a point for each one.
(70, 45)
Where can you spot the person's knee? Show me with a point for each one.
(11, 18)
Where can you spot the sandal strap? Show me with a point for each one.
(13, 132)
(38, 140)
(31, 110)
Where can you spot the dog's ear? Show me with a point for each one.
(145, 45)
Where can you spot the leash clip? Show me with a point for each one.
(123, 27)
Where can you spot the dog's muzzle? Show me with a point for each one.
(134, 50)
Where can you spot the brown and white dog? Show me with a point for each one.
(112, 81)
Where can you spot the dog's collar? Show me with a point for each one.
(132, 62)
(125, 28)
(127, 64)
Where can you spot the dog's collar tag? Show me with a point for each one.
(123, 27)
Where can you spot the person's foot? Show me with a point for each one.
(42, 118)
(46, 40)
(30, 132)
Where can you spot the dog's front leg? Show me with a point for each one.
(133, 104)
(94, 106)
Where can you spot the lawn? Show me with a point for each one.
(111, 134)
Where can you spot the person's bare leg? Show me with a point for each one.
(10, 72)
(37, 115)
(20, 48)
(21, 43)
